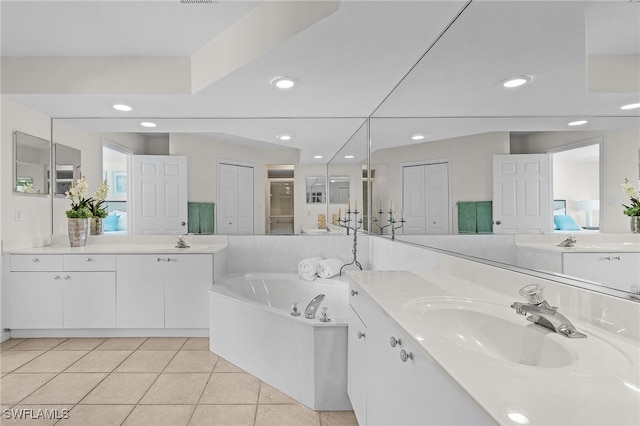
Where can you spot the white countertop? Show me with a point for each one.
(625, 247)
(122, 249)
(604, 393)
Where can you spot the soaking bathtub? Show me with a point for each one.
(252, 327)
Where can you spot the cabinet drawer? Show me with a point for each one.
(89, 262)
(36, 262)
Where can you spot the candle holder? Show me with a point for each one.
(357, 224)
(394, 227)
(378, 219)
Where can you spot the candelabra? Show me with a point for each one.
(378, 219)
(357, 224)
(392, 223)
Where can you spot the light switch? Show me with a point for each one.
(17, 215)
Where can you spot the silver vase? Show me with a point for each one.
(78, 231)
(635, 224)
(95, 226)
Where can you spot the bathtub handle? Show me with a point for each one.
(360, 335)
(354, 292)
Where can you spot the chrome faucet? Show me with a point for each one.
(181, 243)
(313, 306)
(541, 313)
(569, 242)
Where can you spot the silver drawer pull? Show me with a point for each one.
(612, 258)
(35, 259)
(393, 342)
(56, 277)
(360, 335)
(404, 355)
(166, 259)
(66, 277)
(88, 259)
(354, 292)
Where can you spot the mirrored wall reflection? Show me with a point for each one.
(68, 168)
(32, 164)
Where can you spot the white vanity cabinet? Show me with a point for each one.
(62, 291)
(616, 270)
(392, 382)
(163, 290)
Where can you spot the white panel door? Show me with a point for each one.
(522, 193)
(235, 201)
(414, 199)
(159, 194)
(425, 198)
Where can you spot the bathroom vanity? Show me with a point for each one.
(435, 348)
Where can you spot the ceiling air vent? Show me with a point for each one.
(197, 1)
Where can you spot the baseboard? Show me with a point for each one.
(128, 332)
(6, 335)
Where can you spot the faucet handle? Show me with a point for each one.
(533, 293)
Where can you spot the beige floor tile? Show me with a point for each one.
(122, 343)
(155, 343)
(271, 395)
(65, 388)
(15, 387)
(79, 344)
(338, 418)
(121, 388)
(196, 343)
(279, 415)
(146, 362)
(11, 360)
(173, 415)
(99, 361)
(104, 415)
(192, 361)
(52, 362)
(224, 366)
(8, 344)
(231, 388)
(223, 415)
(43, 344)
(36, 414)
(176, 388)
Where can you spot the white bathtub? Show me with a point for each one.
(251, 327)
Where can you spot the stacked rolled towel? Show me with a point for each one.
(308, 268)
(329, 267)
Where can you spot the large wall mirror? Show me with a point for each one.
(32, 164)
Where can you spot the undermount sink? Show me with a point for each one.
(496, 331)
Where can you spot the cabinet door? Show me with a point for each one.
(615, 270)
(140, 291)
(36, 300)
(357, 366)
(89, 299)
(188, 278)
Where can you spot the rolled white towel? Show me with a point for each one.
(329, 267)
(308, 268)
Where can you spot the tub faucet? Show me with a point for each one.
(541, 313)
(569, 242)
(313, 306)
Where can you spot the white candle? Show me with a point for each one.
(356, 205)
(339, 212)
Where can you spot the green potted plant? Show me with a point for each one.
(79, 213)
(98, 211)
(632, 210)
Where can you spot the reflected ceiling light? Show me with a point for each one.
(122, 107)
(317, 156)
(284, 137)
(418, 137)
(516, 81)
(349, 156)
(148, 124)
(630, 106)
(517, 417)
(578, 123)
(284, 82)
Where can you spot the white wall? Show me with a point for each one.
(470, 166)
(575, 181)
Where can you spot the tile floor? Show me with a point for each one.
(139, 381)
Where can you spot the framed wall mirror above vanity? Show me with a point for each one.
(32, 164)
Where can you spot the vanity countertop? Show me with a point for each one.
(622, 247)
(122, 249)
(601, 386)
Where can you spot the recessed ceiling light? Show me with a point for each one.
(630, 106)
(578, 123)
(418, 137)
(284, 82)
(349, 156)
(122, 107)
(317, 157)
(284, 137)
(516, 81)
(148, 124)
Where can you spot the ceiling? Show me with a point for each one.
(72, 59)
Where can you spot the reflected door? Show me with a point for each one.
(425, 199)
(281, 208)
(235, 203)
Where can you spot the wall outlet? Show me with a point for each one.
(17, 215)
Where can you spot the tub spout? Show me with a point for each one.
(313, 306)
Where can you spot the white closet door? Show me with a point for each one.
(159, 194)
(245, 200)
(235, 203)
(522, 193)
(437, 196)
(414, 200)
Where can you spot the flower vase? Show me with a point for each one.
(635, 224)
(95, 226)
(78, 230)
